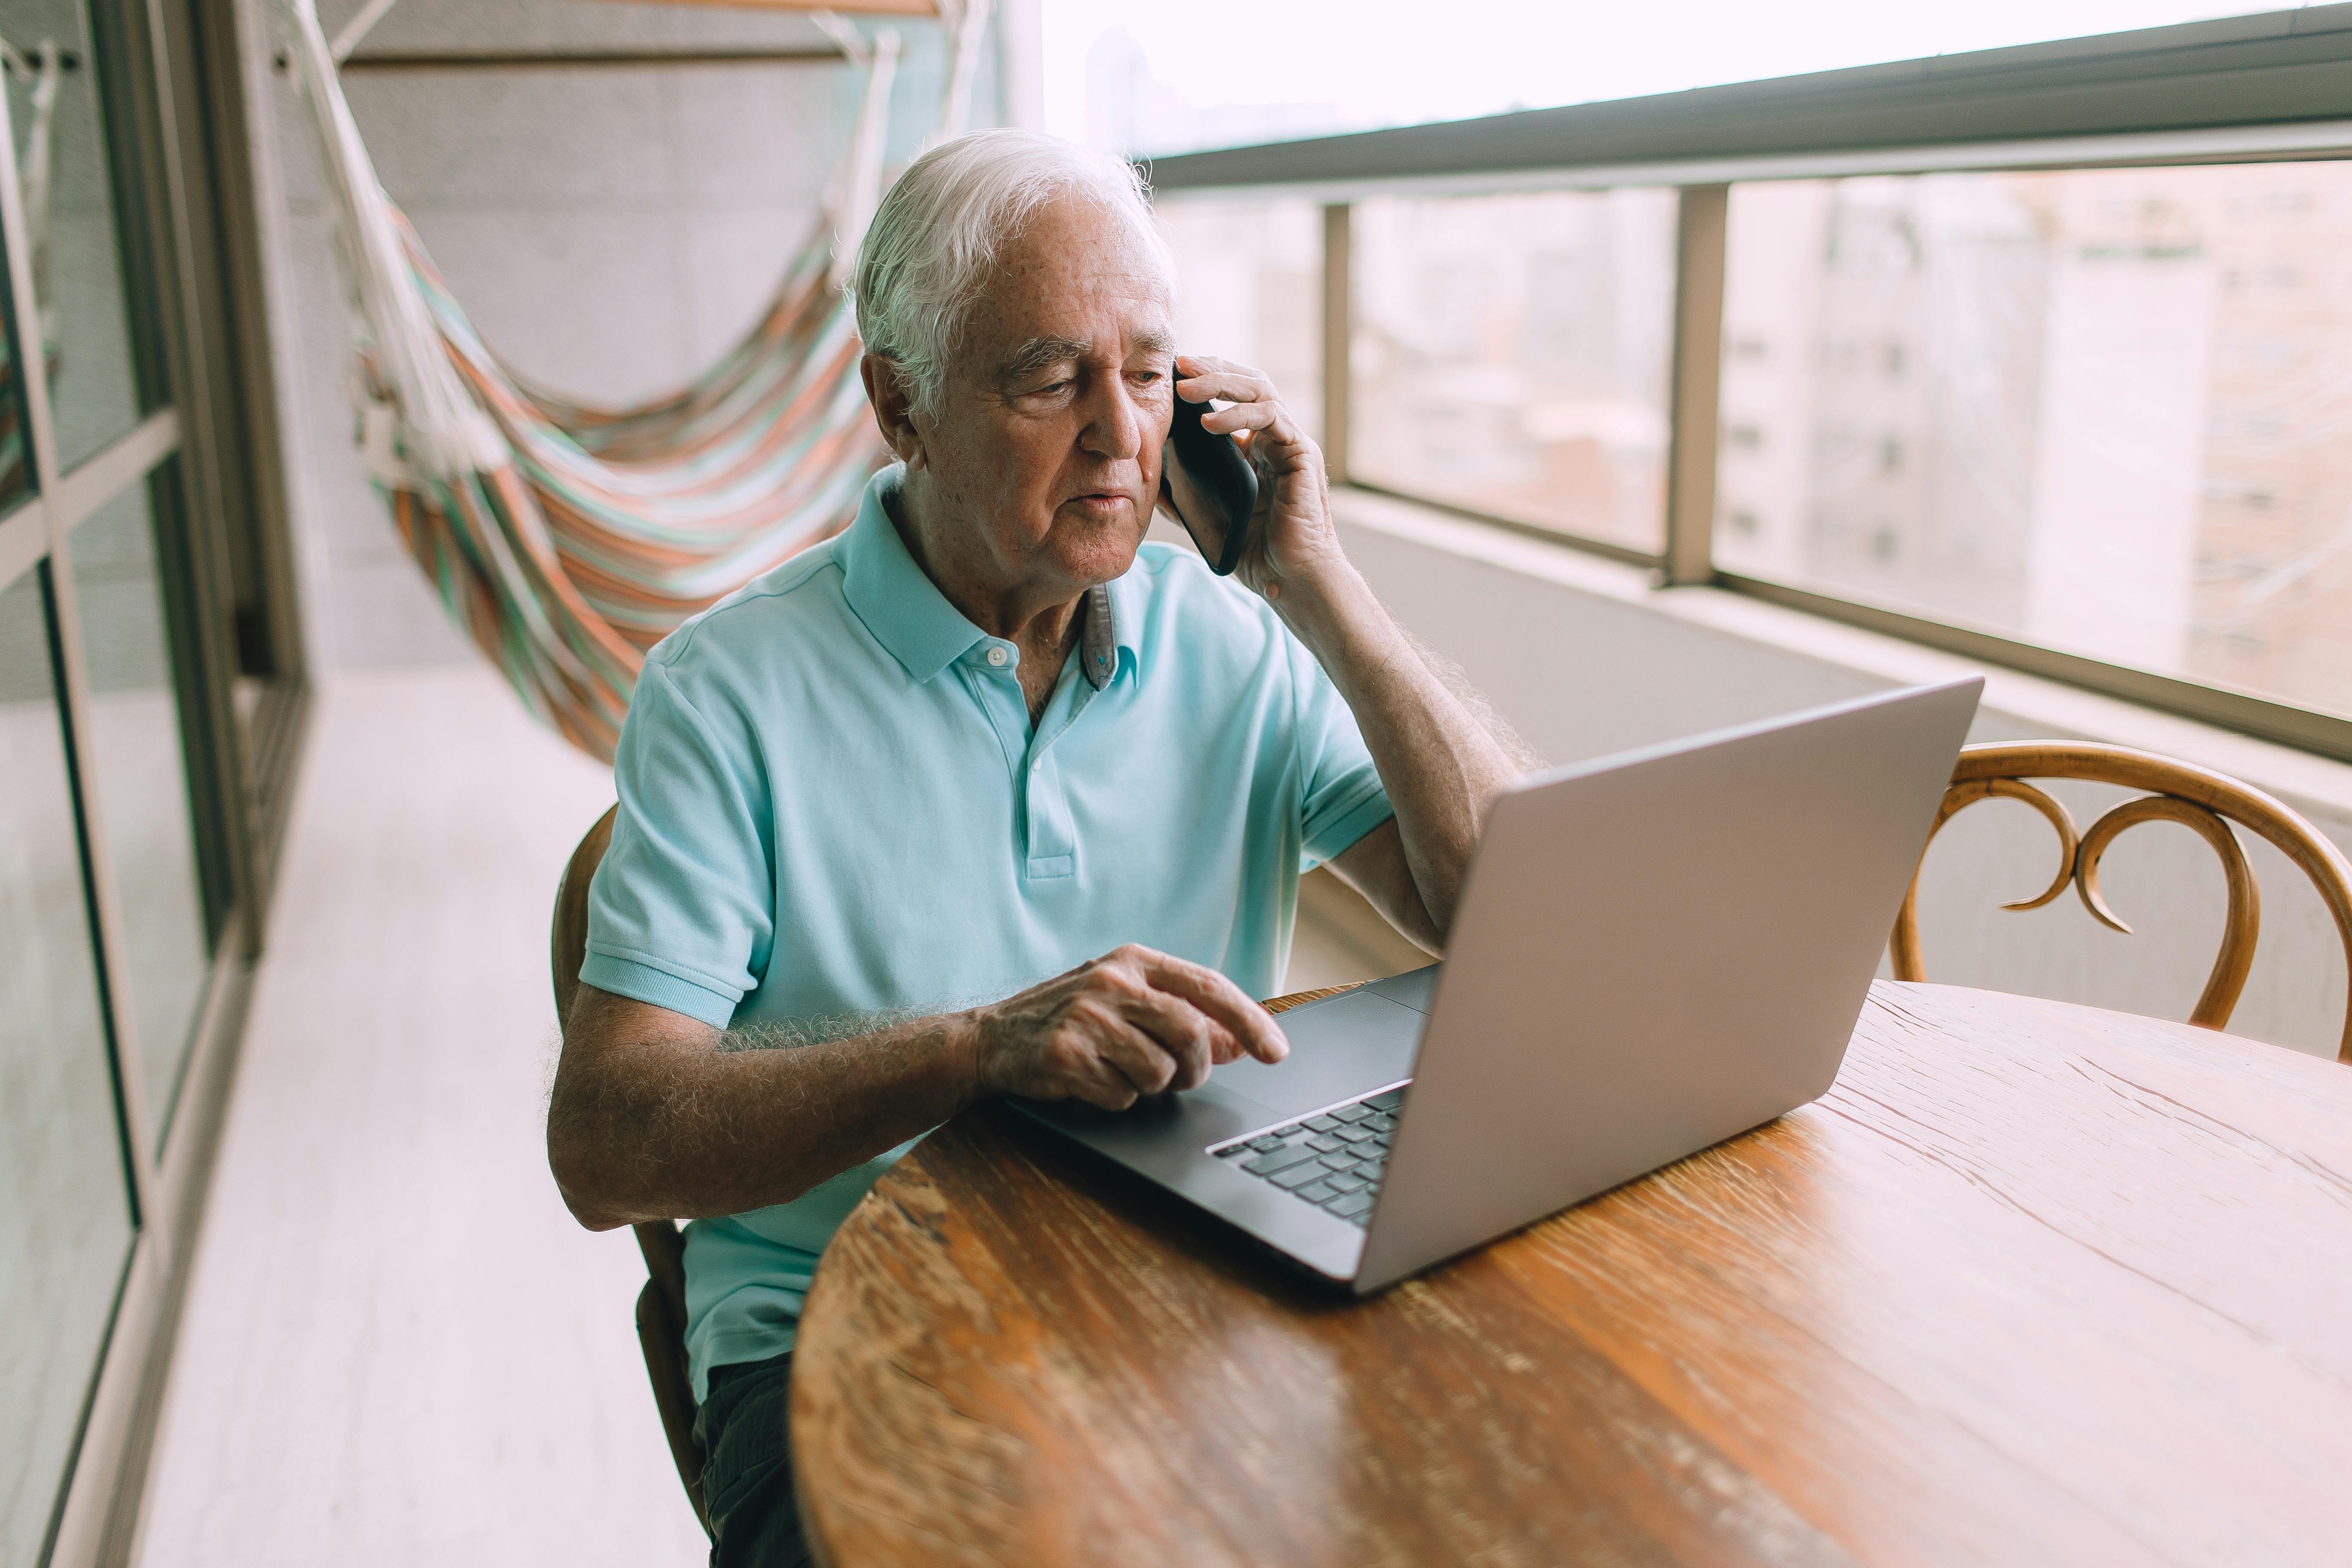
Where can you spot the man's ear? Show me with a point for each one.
(887, 390)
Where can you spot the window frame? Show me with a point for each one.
(171, 111)
(2274, 87)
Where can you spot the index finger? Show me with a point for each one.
(1222, 999)
(1210, 365)
(1234, 384)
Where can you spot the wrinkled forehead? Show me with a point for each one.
(1080, 272)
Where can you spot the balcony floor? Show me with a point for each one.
(398, 1348)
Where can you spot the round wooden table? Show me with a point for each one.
(2033, 1284)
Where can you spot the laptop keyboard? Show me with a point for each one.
(1333, 1160)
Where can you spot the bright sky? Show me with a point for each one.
(1384, 62)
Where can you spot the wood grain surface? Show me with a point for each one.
(2033, 1284)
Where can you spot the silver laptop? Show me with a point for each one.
(1654, 952)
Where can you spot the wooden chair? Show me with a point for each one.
(2199, 799)
(661, 1305)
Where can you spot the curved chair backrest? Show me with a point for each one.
(661, 1306)
(2195, 797)
(567, 939)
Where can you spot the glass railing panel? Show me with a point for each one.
(138, 765)
(1250, 290)
(1512, 356)
(2104, 411)
(64, 1220)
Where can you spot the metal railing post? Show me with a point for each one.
(1699, 232)
(1339, 327)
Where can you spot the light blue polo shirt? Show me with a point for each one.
(832, 806)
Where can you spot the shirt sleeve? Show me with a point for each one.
(1343, 798)
(681, 913)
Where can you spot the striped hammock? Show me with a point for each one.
(568, 539)
(604, 530)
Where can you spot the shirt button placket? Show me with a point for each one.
(1051, 849)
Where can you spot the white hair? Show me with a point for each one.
(937, 235)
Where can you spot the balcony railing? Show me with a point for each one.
(2042, 356)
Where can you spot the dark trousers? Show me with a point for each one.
(747, 1466)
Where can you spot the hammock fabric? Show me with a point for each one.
(607, 529)
(568, 539)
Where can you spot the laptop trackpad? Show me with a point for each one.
(1339, 1049)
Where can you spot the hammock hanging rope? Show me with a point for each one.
(567, 539)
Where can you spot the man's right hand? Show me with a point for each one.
(1133, 1022)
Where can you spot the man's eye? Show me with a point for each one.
(1051, 388)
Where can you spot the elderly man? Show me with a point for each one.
(984, 796)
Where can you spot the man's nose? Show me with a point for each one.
(1114, 421)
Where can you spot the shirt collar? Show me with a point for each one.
(909, 616)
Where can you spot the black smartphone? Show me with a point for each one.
(1207, 481)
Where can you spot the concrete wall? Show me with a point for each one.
(611, 231)
(1585, 659)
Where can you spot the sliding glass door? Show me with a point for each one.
(142, 639)
(65, 1214)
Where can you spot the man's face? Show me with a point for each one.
(1046, 456)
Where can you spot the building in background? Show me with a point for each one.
(2100, 409)
(1512, 356)
(1250, 289)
